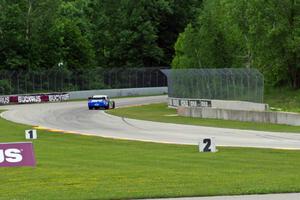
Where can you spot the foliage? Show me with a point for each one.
(260, 34)
(13, 42)
(4, 87)
(283, 99)
(80, 34)
(135, 33)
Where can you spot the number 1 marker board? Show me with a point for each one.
(207, 145)
(30, 134)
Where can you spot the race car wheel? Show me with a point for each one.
(90, 108)
(113, 105)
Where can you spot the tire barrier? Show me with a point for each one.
(34, 98)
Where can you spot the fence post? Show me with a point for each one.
(33, 80)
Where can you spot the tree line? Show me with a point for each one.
(80, 34)
(262, 34)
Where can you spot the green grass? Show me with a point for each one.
(283, 99)
(160, 112)
(84, 167)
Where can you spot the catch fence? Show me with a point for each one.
(241, 84)
(62, 80)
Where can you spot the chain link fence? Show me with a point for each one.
(62, 80)
(225, 84)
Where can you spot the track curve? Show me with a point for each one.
(75, 117)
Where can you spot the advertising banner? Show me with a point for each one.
(17, 154)
(4, 100)
(34, 98)
(189, 102)
(58, 97)
(29, 99)
(13, 99)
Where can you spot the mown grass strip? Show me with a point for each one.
(84, 167)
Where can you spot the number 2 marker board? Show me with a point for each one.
(207, 145)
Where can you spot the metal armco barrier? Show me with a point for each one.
(34, 98)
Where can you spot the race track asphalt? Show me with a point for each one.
(75, 117)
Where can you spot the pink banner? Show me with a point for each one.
(17, 154)
(13, 99)
(44, 98)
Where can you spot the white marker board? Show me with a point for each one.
(30, 134)
(207, 145)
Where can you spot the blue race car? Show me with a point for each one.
(100, 101)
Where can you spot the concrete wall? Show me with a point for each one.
(239, 105)
(119, 92)
(221, 104)
(239, 115)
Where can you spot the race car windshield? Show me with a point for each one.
(98, 98)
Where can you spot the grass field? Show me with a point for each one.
(84, 167)
(283, 99)
(160, 112)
